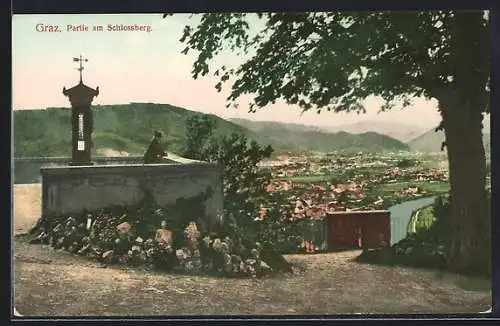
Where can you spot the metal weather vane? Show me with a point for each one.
(80, 69)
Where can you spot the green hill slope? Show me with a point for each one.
(266, 125)
(126, 127)
(129, 128)
(313, 138)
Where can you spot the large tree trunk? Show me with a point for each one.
(467, 168)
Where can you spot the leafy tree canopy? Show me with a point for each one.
(333, 60)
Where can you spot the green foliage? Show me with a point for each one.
(244, 183)
(405, 163)
(333, 60)
(425, 219)
(198, 131)
(442, 210)
(245, 191)
(277, 228)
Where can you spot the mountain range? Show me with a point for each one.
(417, 138)
(431, 141)
(401, 132)
(306, 137)
(129, 127)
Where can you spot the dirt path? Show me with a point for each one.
(49, 282)
(54, 283)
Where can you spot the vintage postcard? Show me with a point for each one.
(295, 164)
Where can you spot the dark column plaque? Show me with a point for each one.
(80, 97)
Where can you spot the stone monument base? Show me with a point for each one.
(81, 164)
(71, 189)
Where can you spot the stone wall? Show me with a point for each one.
(70, 189)
(27, 169)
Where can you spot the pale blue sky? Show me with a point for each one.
(146, 67)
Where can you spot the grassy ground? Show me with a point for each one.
(425, 218)
(330, 176)
(422, 219)
(429, 187)
(55, 283)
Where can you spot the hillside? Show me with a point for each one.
(128, 128)
(313, 138)
(401, 132)
(265, 125)
(431, 142)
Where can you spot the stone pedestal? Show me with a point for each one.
(71, 189)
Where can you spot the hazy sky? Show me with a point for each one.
(135, 66)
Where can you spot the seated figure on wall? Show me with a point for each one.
(155, 152)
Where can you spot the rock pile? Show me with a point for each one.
(120, 239)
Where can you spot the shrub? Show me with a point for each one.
(428, 247)
(405, 163)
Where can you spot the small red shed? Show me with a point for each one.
(358, 229)
(375, 229)
(343, 231)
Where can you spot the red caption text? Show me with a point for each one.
(93, 28)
